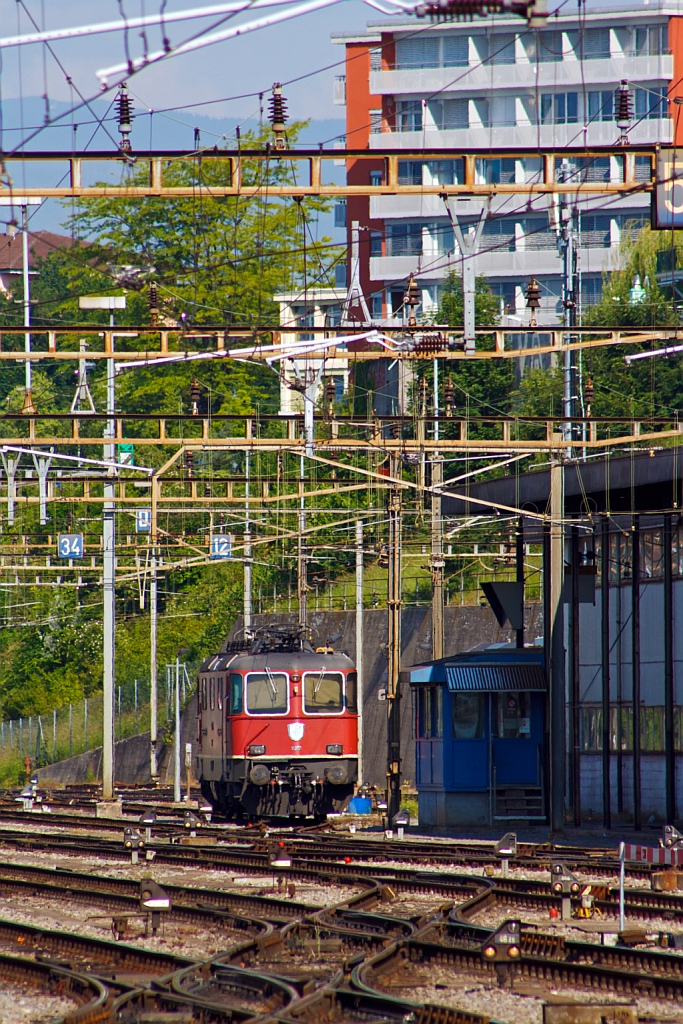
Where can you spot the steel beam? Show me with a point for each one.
(308, 178)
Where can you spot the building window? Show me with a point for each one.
(502, 49)
(377, 306)
(651, 103)
(447, 172)
(375, 122)
(536, 234)
(375, 243)
(455, 51)
(450, 115)
(643, 168)
(340, 213)
(404, 240)
(450, 51)
(499, 235)
(591, 291)
(650, 40)
(580, 169)
(601, 106)
(495, 172)
(549, 47)
(417, 53)
(595, 44)
(408, 116)
(340, 275)
(595, 231)
(333, 313)
(512, 716)
(429, 713)
(443, 237)
(340, 91)
(376, 178)
(632, 223)
(376, 58)
(559, 107)
(468, 716)
(410, 172)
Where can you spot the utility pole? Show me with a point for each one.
(436, 562)
(566, 244)
(109, 560)
(468, 243)
(519, 575)
(554, 629)
(394, 647)
(176, 745)
(359, 643)
(248, 568)
(354, 292)
(309, 384)
(153, 692)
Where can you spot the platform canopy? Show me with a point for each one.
(489, 670)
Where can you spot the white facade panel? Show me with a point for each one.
(525, 137)
(551, 76)
(493, 264)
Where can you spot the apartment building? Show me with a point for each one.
(494, 83)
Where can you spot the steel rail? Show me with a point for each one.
(90, 995)
(103, 957)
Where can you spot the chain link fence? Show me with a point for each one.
(75, 728)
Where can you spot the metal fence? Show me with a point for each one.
(75, 728)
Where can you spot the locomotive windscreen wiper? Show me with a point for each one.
(320, 681)
(271, 680)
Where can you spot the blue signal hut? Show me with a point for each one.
(480, 736)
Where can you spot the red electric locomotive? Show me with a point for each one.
(277, 726)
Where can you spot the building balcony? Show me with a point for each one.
(417, 207)
(556, 76)
(524, 137)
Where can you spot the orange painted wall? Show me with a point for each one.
(359, 103)
(676, 86)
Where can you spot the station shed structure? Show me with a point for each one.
(620, 677)
(480, 736)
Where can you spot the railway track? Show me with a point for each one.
(323, 843)
(357, 960)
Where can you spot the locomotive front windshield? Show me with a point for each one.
(323, 693)
(266, 693)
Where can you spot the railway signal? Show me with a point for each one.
(153, 900)
(563, 883)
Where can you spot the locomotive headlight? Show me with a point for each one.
(257, 749)
(336, 774)
(336, 749)
(260, 774)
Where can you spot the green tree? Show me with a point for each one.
(482, 386)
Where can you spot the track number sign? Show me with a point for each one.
(221, 546)
(143, 520)
(70, 545)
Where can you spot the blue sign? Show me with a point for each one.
(221, 546)
(70, 545)
(143, 520)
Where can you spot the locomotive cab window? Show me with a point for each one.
(212, 693)
(204, 702)
(323, 693)
(352, 692)
(236, 703)
(266, 693)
